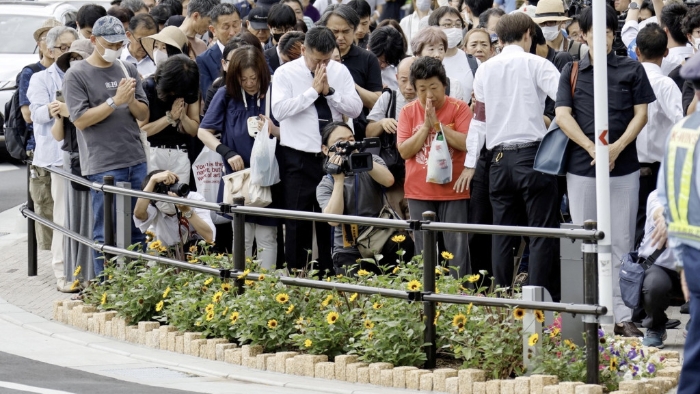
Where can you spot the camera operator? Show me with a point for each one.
(167, 218)
(342, 193)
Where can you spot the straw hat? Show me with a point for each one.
(550, 10)
(170, 35)
(82, 47)
(48, 25)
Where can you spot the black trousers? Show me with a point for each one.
(660, 284)
(480, 212)
(648, 175)
(514, 184)
(301, 174)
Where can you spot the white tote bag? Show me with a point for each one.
(207, 170)
(238, 185)
(439, 161)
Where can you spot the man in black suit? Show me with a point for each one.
(225, 23)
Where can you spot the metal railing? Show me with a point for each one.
(589, 310)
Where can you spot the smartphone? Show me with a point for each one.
(59, 96)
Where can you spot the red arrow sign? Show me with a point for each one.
(602, 137)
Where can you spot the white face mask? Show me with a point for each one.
(423, 5)
(166, 208)
(550, 32)
(110, 55)
(454, 37)
(159, 56)
(696, 43)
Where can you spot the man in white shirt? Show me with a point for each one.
(508, 115)
(142, 25)
(411, 24)
(662, 114)
(309, 93)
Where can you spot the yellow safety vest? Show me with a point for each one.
(680, 169)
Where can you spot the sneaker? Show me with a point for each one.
(65, 287)
(655, 338)
(685, 308)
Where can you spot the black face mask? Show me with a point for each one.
(276, 37)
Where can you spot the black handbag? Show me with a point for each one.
(632, 276)
(389, 151)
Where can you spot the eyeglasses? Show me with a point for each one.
(63, 48)
(451, 25)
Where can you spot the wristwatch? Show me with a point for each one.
(188, 214)
(330, 92)
(110, 102)
(633, 6)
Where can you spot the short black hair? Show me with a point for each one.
(388, 42)
(174, 5)
(177, 77)
(435, 16)
(574, 19)
(123, 14)
(479, 6)
(486, 15)
(222, 9)
(148, 177)
(234, 43)
(586, 19)
(691, 21)
(281, 16)
(320, 39)
(143, 21)
(652, 42)
(89, 14)
(671, 18)
(513, 27)
(161, 13)
(134, 5)
(646, 5)
(362, 8)
(342, 11)
(289, 41)
(203, 7)
(426, 67)
(329, 129)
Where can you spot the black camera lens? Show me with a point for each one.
(181, 189)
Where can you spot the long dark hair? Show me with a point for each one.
(243, 58)
(177, 77)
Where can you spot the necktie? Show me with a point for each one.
(325, 116)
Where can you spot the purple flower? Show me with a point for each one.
(642, 352)
(651, 368)
(636, 370)
(662, 358)
(601, 333)
(632, 354)
(601, 349)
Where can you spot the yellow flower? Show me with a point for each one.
(208, 281)
(193, 249)
(244, 274)
(570, 344)
(272, 323)
(438, 271)
(370, 335)
(332, 317)
(77, 270)
(328, 279)
(308, 343)
(104, 298)
(396, 270)
(469, 308)
(166, 292)
(149, 235)
(459, 321)
(339, 276)
(282, 298)
(377, 305)
(437, 314)
(249, 283)
(300, 320)
(327, 301)
(518, 313)
(473, 278)
(362, 273)
(75, 285)
(261, 277)
(234, 317)
(209, 308)
(155, 245)
(197, 323)
(220, 256)
(532, 341)
(210, 316)
(353, 297)
(290, 309)
(224, 312)
(159, 306)
(613, 363)
(398, 238)
(193, 260)
(217, 297)
(539, 316)
(447, 255)
(554, 332)
(414, 285)
(162, 249)
(369, 325)
(226, 287)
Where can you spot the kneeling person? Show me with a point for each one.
(168, 218)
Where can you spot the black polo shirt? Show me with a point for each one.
(628, 86)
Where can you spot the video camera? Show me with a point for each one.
(181, 189)
(353, 162)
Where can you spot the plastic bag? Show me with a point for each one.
(264, 170)
(439, 161)
(208, 169)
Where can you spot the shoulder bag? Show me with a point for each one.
(552, 153)
(388, 151)
(632, 274)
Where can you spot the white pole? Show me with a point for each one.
(602, 172)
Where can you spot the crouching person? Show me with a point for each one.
(172, 223)
(345, 193)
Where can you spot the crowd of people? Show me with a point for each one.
(138, 91)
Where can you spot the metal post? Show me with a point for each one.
(429, 264)
(108, 215)
(31, 228)
(123, 219)
(239, 242)
(590, 297)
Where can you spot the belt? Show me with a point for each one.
(182, 148)
(503, 147)
(316, 154)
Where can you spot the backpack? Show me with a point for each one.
(388, 151)
(472, 64)
(16, 131)
(575, 50)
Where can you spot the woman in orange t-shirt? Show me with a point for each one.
(418, 124)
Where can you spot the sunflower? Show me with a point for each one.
(155, 245)
(308, 343)
(193, 260)
(459, 321)
(290, 309)
(332, 317)
(159, 306)
(362, 273)
(75, 284)
(149, 236)
(353, 297)
(339, 276)
(226, 287)
(282, 298)
(570, 344)
(217, 297)
(204, 289)
(518, 313)
(414, 285)
(104, 298)
(613, 363)
(370, 335)
(369, 325)
(532, 341)
(539, 316)
(272, 323)
(209, 308)
(234, 317)
(208, 281)
(210, 316)
(300, 320)
(261, 277)
(249, 283)
(473, 278)
(469, 308)
(396, 270)
(77, 270)
(193, 249)
(327, 301)
(166, 292)
(377, 305)
(447, 255)
(554, 333)
(398, 238)
(244, 274)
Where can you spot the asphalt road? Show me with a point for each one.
(22, 375)
(13, 182)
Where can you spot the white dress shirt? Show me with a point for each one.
(411, 25)
(293, 99)
(676, 56)
(41, 92)
(381, 107)
(145, 66)
(513, 87)
(221, 46)
(389, 77)
(663, 113)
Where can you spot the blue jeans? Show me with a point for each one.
(690, 374)
(134, 175)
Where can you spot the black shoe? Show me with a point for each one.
(627, 329)
(685, 308)
(672, 323)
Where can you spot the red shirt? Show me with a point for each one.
(456, 115)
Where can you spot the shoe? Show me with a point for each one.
(627, 329)
(685, 308)
(64, 287)
(672, 323)
(655, 338)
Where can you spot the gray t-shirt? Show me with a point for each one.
(369, 200)
(114, 142)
